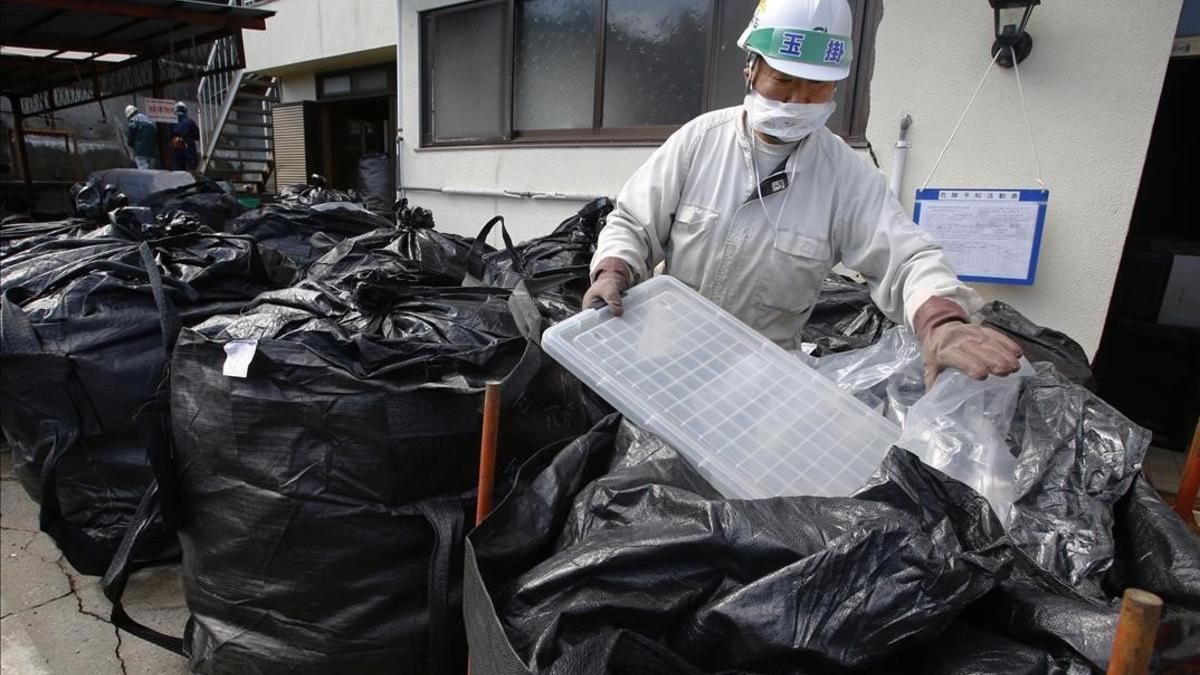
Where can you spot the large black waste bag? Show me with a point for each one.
(565, 253)
(93, 200)
(844, 317)
(1077, 457)
(323, 502)
(591, 544)
(413, 251)
(205, 198)
(1041, 344)
(317, 191)
(24, 236)
(87, 331)
(376, 182)
(290, 238)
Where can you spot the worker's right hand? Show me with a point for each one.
(610, 280)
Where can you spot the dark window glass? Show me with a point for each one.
(467, 81)
(728, 83)
(598, 70)
(654, 61)
(555, 64)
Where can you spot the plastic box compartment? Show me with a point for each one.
(755, 421)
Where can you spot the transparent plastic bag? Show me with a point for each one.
(888, 376)
(961, 428)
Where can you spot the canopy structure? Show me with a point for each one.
(56, 54)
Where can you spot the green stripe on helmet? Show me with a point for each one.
(813, 47)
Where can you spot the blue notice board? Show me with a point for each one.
(991, 235)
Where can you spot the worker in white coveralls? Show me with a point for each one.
(753, 205)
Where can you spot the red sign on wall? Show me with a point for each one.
(159, 109)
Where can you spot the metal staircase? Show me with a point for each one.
(236, 120)
(241, 151)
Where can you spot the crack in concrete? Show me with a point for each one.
(37, 606)
(18, 529)
(103, 619)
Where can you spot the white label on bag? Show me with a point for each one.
(238, 354)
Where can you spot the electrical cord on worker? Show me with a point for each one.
(753, 205)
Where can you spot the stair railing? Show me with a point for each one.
(216, 93)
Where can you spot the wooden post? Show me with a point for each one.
(1136, 629)
(487, 450)
(1189, 484)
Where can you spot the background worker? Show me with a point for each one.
(142, 136)
(184, 137)
(753, 205)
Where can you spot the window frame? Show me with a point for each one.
(353, 73)
(857, 96)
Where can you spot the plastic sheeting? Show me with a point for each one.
(23, 236)
(88, 327)
(612, 555)
(844, 318)
(960, 428)
(564, 254)
(315, 192)
(323, 502)
(212, 205)
(377, 182)
(292, 237)
(413, 252)
(137, 184)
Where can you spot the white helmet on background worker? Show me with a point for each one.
(809, 39)
(180, 106)
(130, 110)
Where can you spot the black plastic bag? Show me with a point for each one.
(844, 317)
(93, 200)
(24, 236)
(413, 252)
(563, 573)
(315, 192)
(323, 503)
(88, 328)
(591, 544)
(564, 254)
(376, 182)
(291, 238)
(212, 205)
(1041, 344)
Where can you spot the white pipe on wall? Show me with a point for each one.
(399, 96)
(901, 156)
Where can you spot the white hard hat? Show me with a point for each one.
(180, 105)
(802, 38)
(130, 111)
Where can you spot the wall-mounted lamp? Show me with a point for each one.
(1011, 18)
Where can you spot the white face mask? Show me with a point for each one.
(789, 122)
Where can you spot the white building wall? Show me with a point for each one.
(1092, 83)
(303, 31)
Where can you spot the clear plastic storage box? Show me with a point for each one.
(754, 420)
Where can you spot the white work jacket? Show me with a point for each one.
(694, 205)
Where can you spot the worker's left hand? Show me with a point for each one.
(973, 349)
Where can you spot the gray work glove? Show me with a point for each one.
(610, 280)
(949, 341)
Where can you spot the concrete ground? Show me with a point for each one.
(55, 622)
